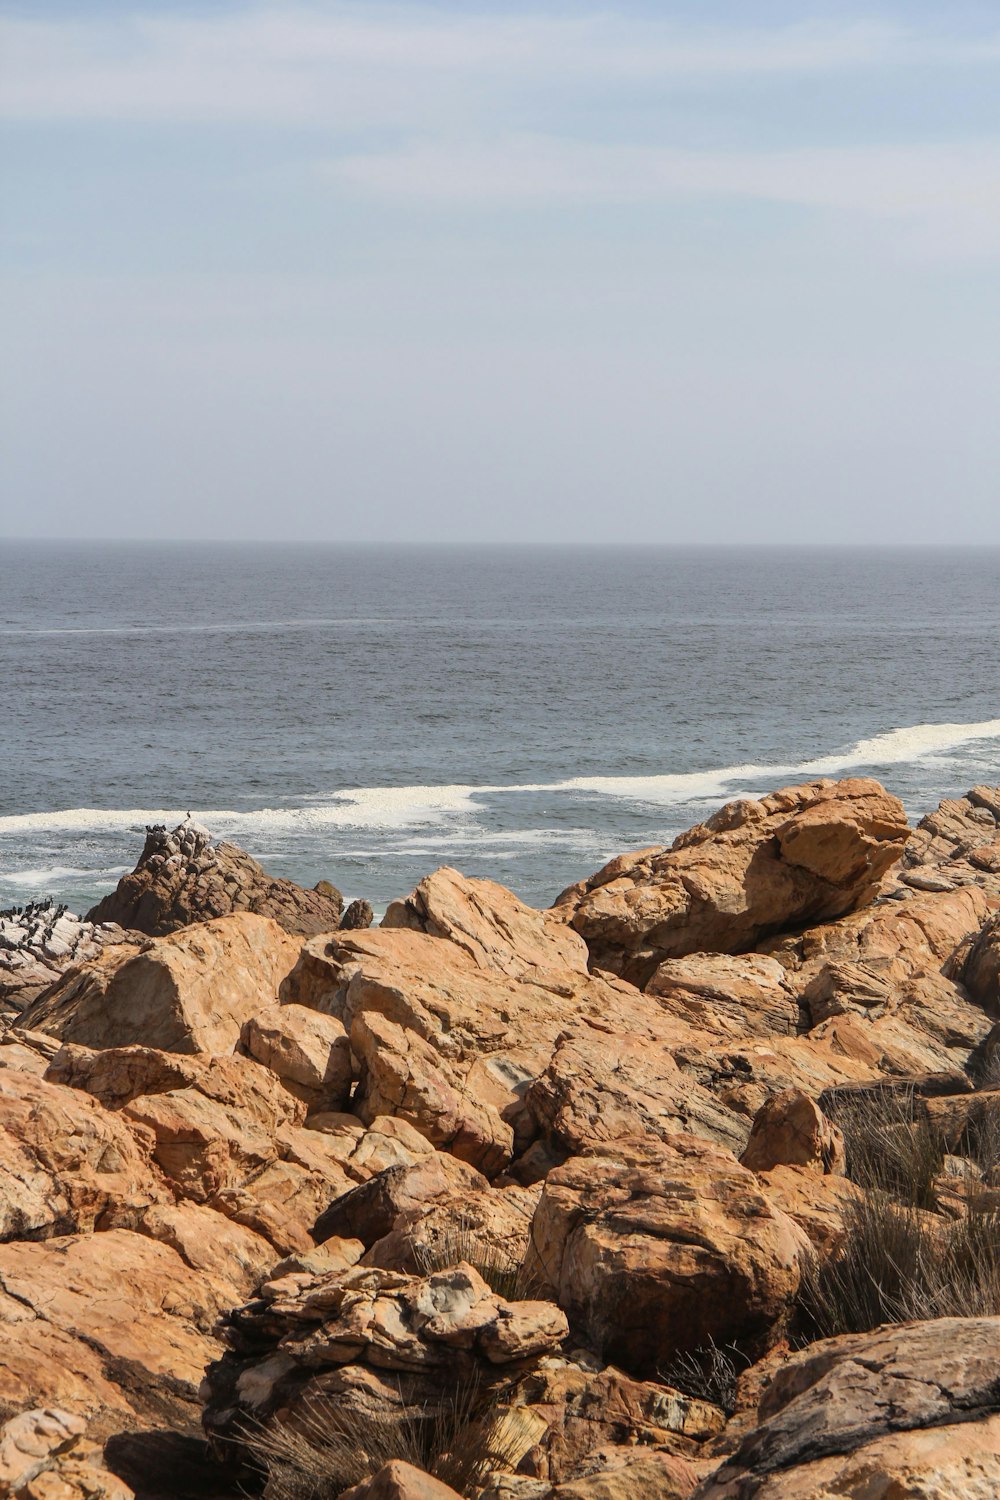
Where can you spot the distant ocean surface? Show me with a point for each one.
(364, 715)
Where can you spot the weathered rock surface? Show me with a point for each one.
(182, 877)
(792, 1131)
(38, 943)
(803, 854)
(46, 1453)
(190, 992)
(981, 972)
(309, 1052)
(827, 1407)
(434, 1326)
(656, 1247)
(958, 844)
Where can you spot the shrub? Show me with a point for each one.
(460, 1439)
(504, 1273)
(891, 1146)
(707, 1373)
(896, 1263)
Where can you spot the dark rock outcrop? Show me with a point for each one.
(182, 877)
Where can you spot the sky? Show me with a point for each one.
(472, 272)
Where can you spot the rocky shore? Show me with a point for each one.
(563, 1204)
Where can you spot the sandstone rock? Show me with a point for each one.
(732, 997)
(110, 1326)
(397, 1480)
(981, 973)
(791, 1130)
(190, 992)
(490, 924)
(631, 1474)
(841, 1397)
(66, 1164)
(428, 1329)
(38, 943)
(815, 1202)
(655, 1247)
(370, 1211)
(490, 1229)
(959, 841)
(308, 1051)
(804, 854)
(600, 1087)
(182, 878)
(44, 1455)
(450, 1045)
(593, 1412)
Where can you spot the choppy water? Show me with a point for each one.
(364, 715)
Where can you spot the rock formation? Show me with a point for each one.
(800, 856)
(182, 877)
(578, 1167)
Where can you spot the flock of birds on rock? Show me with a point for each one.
(36, 920)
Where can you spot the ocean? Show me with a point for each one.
(365, 714)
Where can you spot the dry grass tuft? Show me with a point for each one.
(708, 1374)
(460, 1439)
(504, 1273)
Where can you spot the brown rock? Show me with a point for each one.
(732, 997)
(981, 974)
(960, 842)
(66, 1164)
(190, 992)
(804, 854)
(45, 1455)
(397, 1480)
(601, 1087)
(655, 1247)
(370, 1211)
(308, 1051)
(182, 878)
(791, 1130)
(38, 943)
(844, 1395)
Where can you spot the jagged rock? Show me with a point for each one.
(308, 1051)
(182, 877)
(45, 1455)
(397, 1480)
(981, 972)
(803, 854)
(358, 915)
(66, 1164)
(189, 992)
(656, 1247)
(605, 1409)
(792, 1131)
(38, 943)
(958, 842)
(430, 1327)
(908, 1410)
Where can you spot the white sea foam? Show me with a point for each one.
(409, 807)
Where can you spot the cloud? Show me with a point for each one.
(377, 64)
(944, 197)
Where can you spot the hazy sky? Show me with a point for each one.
(479, 271)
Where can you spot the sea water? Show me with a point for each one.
(364, 715)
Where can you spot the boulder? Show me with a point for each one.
(66, 1164)
(981, 972)
(398, 1480)
(731, 997)
(309, 1052)
(957, 844)
(657, 1247)
(38, 943)
(791, 1130)
(908, 1410)
(46, 1455)
(182, 877)
(190, 992)
(805, 854)
(427, 1332)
